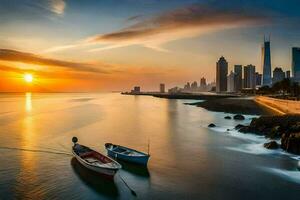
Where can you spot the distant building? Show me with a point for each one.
(278, 75)
(266, 60)
(238, 82)
(187, 86)
(288, 74)
(296, 63)
(162, 88)
(202, 82)
(174, 90)
(136, 89)
(258, 78)
(230, 82)
(221, 75)
(249, 76)
(194, 86)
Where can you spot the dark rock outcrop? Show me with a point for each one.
(239, 126)
(286, 127)
(271, 145)
(238, 117)
(227, 117)
(291, 142)
(211, 125)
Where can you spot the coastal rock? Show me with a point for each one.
(291, 142)
(286, 127)
(211, 125)
(227, 117)
(271, 145)
(239, 126)
(274, 133)
(273, 126)
(238, 117)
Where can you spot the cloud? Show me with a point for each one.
(181, 23)
(24, 57)
(58, 6)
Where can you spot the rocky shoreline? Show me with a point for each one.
(234, 106)
(283, 127)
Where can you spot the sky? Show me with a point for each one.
(113, 45)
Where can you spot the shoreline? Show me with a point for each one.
(192, 96)
(235, 106)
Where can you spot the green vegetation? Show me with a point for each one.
(284, 88)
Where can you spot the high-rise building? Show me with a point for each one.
(162, 88)
(202, 82)
(249, 76)
(221, 75)
(230, 82)
(238, 82)
(258, 78)
(194, 86)
(296, 63)
(187, 86)
(288, 74)
(266, 61)
(278, 75)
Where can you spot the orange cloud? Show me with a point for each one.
(185, 22)
(24, 57)
(181, 23)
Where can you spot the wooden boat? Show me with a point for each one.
(94, 160)
(127, 154)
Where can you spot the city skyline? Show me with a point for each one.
(113, 45)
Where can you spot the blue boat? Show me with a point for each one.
(127, 154)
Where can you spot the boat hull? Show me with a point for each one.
(103, 171)
(140, 160)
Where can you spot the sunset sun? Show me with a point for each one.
(28, 78)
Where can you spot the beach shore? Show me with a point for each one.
(246, 106)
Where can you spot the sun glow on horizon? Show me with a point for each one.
(28, 78)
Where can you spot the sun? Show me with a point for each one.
(28, 78)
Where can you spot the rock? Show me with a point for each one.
(271, 145)
(274, 126)
(239, 126)
(227, 117)
(238, 117)
(274, 133)
(211, 125)
(291, 142)
(295, 128)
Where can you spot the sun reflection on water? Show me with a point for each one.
(28, 103)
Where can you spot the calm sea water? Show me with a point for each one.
(188, 160)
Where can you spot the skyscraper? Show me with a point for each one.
(266, 61)
(221, 75)
(162, 88)
(249, 76)
(194, 86)
(278, 75)
(296, 63)
(202, 82)
(230, 82)
(238, 82)
(258, 78)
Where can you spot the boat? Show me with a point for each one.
(127, 154)
(94, 160)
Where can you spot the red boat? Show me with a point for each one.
(94, 160)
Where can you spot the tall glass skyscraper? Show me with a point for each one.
(266, 56)
(221, 73)
(296, 63)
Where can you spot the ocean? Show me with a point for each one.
(188, 159)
